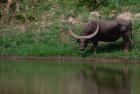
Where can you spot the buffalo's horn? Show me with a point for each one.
(85, 37)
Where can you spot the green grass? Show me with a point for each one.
(46, 32)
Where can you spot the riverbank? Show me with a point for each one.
(70, 59)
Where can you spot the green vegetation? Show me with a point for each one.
(40, 28)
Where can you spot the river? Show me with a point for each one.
(46, 77)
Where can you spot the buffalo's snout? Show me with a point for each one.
(82, 46)
(82, 49)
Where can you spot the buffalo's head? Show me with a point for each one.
(84, 40)
(82, 43)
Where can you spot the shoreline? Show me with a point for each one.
(71, 59)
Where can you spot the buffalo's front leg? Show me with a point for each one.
(127, 43)
(95, 44)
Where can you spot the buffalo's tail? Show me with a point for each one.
(131, 36)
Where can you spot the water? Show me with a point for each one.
(29, 77)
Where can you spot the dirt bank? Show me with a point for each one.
(72, 59)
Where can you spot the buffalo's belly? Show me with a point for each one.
(108, 38)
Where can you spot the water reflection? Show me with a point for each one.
(63, 79)
(101, 80)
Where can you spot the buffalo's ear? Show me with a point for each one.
(77, 40)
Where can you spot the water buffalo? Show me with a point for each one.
(106, 31)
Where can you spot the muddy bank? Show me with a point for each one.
(72, 59)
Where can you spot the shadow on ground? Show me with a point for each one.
(104, 48)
